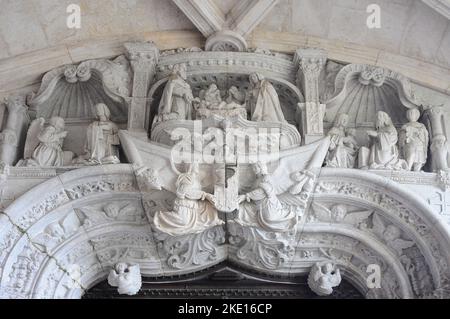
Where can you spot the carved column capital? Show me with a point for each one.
(142, 54)
(143, 57)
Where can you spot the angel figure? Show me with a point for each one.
(262, 208)
(193, 211)
(43, 146)
(339, 214)
(323, 277)
(126, 277)
(262, 100)
(413, 141)
(58, 231)
(391, 235)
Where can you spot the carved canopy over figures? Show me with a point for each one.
(269, 161)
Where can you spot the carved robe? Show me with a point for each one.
(102, 140)
(264, 103)
(343, 149)
(384, 151)
(49, 152)
(191, 212)
(177, 99)
(267, 211)
(414, 144)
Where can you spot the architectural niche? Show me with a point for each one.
(184, 161)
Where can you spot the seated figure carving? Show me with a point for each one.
(261, 207)
(177, 98)
(102, 140)
(211, 103)
(343, 146)
(262, 100)
(384, 153)
(193, 211)
(413, 141)
(43, 146)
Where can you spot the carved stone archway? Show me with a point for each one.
(61, 244)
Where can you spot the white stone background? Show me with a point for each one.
(414, 39)
(409, 27)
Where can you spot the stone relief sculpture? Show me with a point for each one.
(384, 153)
(262, 100)
(343, 147)
(391, 235)
(193, 211)
(323, 277)
(126, 277)
(413, 141)
(176, 102)
(102, 140)
(261, 207)
(43, 146)
(211, 103)
(340, 214)
(440, 153)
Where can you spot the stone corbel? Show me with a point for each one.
(310, 65)
(143, 58)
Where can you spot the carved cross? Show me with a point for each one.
(441, 200)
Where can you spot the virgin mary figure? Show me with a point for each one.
(262, 99)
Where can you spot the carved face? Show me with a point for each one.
(102, 112)
(339, 211)
(342, 120)
(413, 115)
(121, 267)
(391, 233)
(328, 268)
(57, 122)
(383, 119)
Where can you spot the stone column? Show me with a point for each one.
(12, 137)
(143, 57)
(311, 63)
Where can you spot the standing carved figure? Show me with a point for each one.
(413, 141)
(126, 277)
(323, 278)
(343, 145)
(262, 99)
(102, 144)
(440, 153)
(262, 208)
(177, 98)
(384, 152)
(49, 143)
(193, 210)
